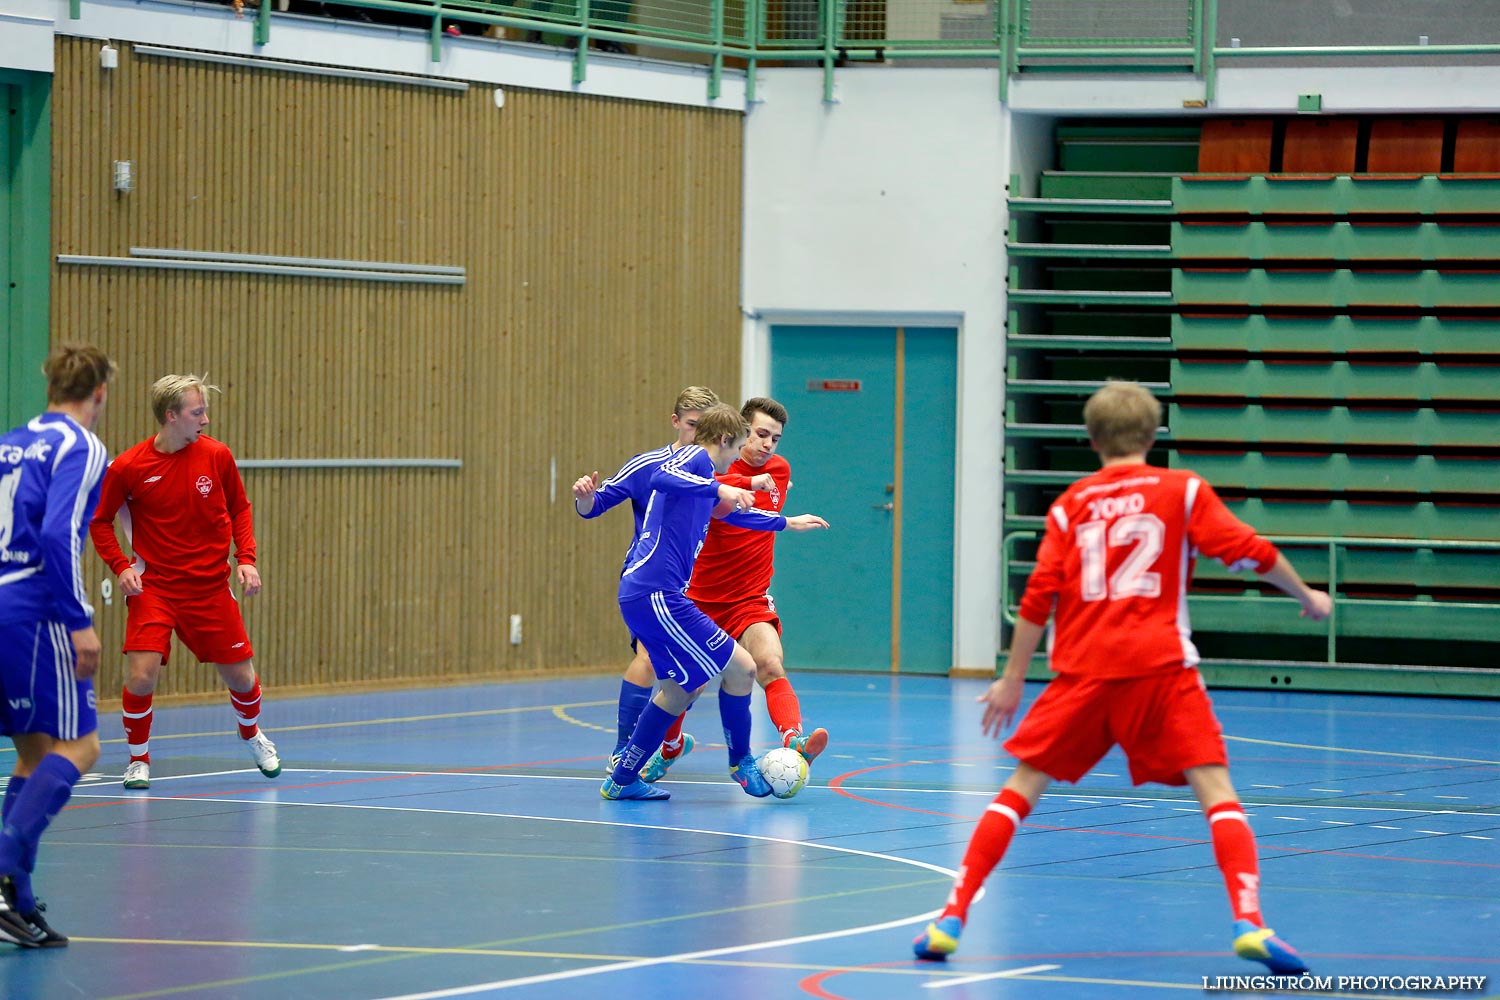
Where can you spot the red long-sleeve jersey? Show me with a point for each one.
(183, 510)
(735, 563)
(1117, 558)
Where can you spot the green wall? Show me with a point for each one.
(25, 240)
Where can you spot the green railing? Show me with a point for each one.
(1034, 36)
(1473, 619)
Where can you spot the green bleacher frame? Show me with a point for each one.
(1323, 345)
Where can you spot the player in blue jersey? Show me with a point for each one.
(633, 482)
(50, 471)
(687, 649)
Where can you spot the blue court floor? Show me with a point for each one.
(452, 842)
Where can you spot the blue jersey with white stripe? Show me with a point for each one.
(684, 494)
(633, 483)
(50, 473)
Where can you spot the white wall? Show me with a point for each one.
(889, 206)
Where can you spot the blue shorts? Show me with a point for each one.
(684, 644)
(39, 693)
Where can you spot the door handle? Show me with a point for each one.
(883, 506)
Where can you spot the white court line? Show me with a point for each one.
(271, 786)
(637, 963)
(1470, 836)
(1008, 973)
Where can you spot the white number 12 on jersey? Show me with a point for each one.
(1134, 577)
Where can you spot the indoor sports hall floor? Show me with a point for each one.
(452, 842)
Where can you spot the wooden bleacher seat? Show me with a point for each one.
(1405, 146)
(1477, 148)
(1320, 146)
(1235, 146)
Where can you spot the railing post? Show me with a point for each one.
(1002, 24)
(263, 23)
(753, 29)
(830, 11)
(581, 57)
(716, 64)
(435, 32)
(1196, 35)
(1210, 43)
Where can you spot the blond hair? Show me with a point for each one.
(74, 371)
(167, 393)
(718, 422)
(694, 397)
(1122, 418)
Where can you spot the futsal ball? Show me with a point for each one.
(784, 770)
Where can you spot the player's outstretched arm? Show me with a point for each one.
(1003, 698)
(805, 522)
(1315, 603)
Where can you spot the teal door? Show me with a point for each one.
(870, 438)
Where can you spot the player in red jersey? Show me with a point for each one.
(1115, 563)
(184, 503)
(732, 585)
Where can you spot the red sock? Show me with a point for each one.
(986, 847)
(671, 744)
(247, 707)
(135, 712)
(1234, 850)
(781, 702)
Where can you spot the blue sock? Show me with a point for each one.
(25, 898)
(642, 743)
(734, 712)
(633, 699)
(41, 798)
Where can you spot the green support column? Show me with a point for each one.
(25, 229)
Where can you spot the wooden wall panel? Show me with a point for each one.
(601, 240)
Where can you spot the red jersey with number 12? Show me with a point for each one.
(184, 509)
(1117, 558)
(736, 563)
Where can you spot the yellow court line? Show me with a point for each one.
(561, 712)
(1375, 753)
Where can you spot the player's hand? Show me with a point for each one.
(130, 581)
(249, 578)
(86, 647)
(763, 483)
(1316, 605)
(584, 488)
(741, 499)
(805, 522)
(1000, 702)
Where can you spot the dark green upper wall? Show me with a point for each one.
(25, 240)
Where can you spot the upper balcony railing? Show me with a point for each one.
(1022, 36)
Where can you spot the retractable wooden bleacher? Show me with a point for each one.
(1327, 346)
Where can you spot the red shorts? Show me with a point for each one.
(736, 616)
(209, 625)
(1164, 723)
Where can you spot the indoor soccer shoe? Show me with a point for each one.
(45, 936)
(939, 940)
(635, 790)
(656, 767)
(13, 928)
(808, 746)
(747, 773)
(138, 774)
(1260, 944)
(263, 752)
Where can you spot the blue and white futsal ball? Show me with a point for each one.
(785, 770)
